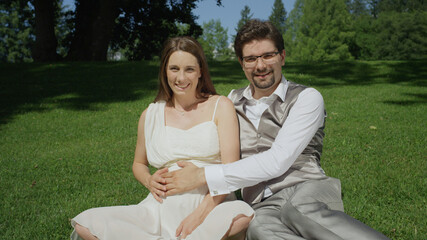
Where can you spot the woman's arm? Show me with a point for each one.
(154, 183)
(228, 133)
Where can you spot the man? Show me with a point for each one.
(281, 132)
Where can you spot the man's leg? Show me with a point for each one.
(315, 211)
(267, 223)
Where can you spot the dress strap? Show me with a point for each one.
(216, 105)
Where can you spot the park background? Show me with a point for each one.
(74, 81)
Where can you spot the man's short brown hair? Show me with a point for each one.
(256, 29)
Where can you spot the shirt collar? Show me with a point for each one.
(280, 91)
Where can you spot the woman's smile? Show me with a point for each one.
(182, 87)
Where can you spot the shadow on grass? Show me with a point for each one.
(420, 99)
(228, 72)
(335, 74)
(76, 86)
(81, 86)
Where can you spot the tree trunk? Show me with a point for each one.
(46, 43)
(103, 29)
(94, 27)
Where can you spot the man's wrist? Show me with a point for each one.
(215, 180)
(201, 177)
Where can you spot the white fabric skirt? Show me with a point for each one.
(151, 220)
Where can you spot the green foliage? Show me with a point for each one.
(374, 7)
(68, 134)
(315, 30)
(402, 35)
(324, 30)
(378, 6)
(182, 28)
(245, 15)
(321, 31)
(162, 19)
(401, 5)
(16, 32)
(214, 41)
(393, 35)
(278, 16)
(293, 23)
(94, 28)
(64, 28)
(357, 7)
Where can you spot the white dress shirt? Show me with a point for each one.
(303, 121)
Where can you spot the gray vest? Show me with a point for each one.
(253, 141)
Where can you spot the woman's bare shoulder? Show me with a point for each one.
(225, 102)
(224, 106)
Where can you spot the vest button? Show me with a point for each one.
(258, 135)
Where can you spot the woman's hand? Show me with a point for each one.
(199, 214)
(189, 224)
(156, 184)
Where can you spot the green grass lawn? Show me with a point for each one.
(68, 132)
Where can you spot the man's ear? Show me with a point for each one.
(241, 63)
(283, 56)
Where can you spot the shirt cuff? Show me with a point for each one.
(214, 175)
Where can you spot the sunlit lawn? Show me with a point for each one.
(68, 132)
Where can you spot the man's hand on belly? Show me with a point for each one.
(187, 178)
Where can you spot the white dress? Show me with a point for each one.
(153, 220)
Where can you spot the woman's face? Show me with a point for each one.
(183, 73)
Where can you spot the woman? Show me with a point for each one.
(186, 122)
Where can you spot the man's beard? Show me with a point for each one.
(264, 84)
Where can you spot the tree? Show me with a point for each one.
(99, 25)
(378, 6)
(278, 16)
(360, 15)
(374, 7)
(42, 32)
(401, 5)
(16, 31)
(395, 30)
(94, 23)
(394, 36)
(124, 24)
(214, 40)
(245, 15)
(324, 31)
(161, 19)
(357, 8)
(293, 26)
(46, 42)
(64, 30)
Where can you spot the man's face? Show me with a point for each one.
(264, 73)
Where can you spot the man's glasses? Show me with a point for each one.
(267, 58)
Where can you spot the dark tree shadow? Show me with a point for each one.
(76, 86)
(420, 99)
(340, 73)
(227, 72)
(82, 86)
